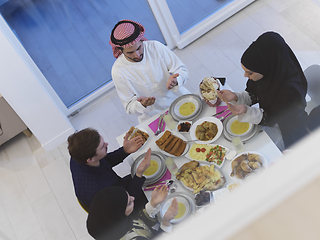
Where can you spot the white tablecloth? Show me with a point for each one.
(261, 143)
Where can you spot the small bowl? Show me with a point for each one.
(182, 122)
(204, 201)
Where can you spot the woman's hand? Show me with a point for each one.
(227, 96)
(158, 195)
(146, 101)
(172, 81)
(133, 144)
(144, 164)
(171, 213)
(237, 109)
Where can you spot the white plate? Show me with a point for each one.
(181, 102)
(203, 163)
(228, 127)
(264, 165)
(199, 122)
(184, 198)
(157, 156)
(179, 135)
(211, 145)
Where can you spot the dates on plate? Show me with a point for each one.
(202, 198)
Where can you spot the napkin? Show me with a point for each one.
(166, 176)
(221, 108)
(154, 125)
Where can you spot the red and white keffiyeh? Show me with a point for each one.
(125, 34)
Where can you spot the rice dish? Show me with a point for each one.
(200, 156)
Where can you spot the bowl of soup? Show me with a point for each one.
(186, 206)
(186, 108)
(237, 128)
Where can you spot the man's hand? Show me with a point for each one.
(171, 213)
(133, 144)
(146, 101)
(144, 164)
(172, 82)
(227, 96)
(158, 195)
(237, 109)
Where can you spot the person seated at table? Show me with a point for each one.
(314, 119)
(277, 82)
(111, 217)
(91, 166)
(148, 76)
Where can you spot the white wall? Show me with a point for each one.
(25, 89)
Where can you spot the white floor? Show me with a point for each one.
(37, 199)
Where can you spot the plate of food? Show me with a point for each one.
(203, 198)
(197, 176)
(210, 153)
(206, 130)
(155, 171)
(187, 107)
(186, 206)
(236, 128)
(208, 90)
(135, 132)
(246, 164)
(184, 126)
(172, 144)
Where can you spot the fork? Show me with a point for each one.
(218, 113)
(222, 118)
(159, 125)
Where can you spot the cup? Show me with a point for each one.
(170, 123)
(171, 165)
(238, 144)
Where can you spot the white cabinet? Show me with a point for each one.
(11, 124)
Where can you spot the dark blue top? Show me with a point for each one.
(88, 180)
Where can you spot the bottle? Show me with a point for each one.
(238, 144)
(171, 165)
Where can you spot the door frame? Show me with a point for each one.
(170, 30)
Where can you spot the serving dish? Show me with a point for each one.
(264, 164)
(186, 97)
(185, 199)
(203, 154)
(199, 122)
(157, 157)
(179, 135)
(208, 181)
(213, 88)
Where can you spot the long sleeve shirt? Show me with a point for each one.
(89, 180)
(149, 78)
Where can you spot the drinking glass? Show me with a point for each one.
(238, 144)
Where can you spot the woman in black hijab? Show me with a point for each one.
(111, 215)
(276, 81)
